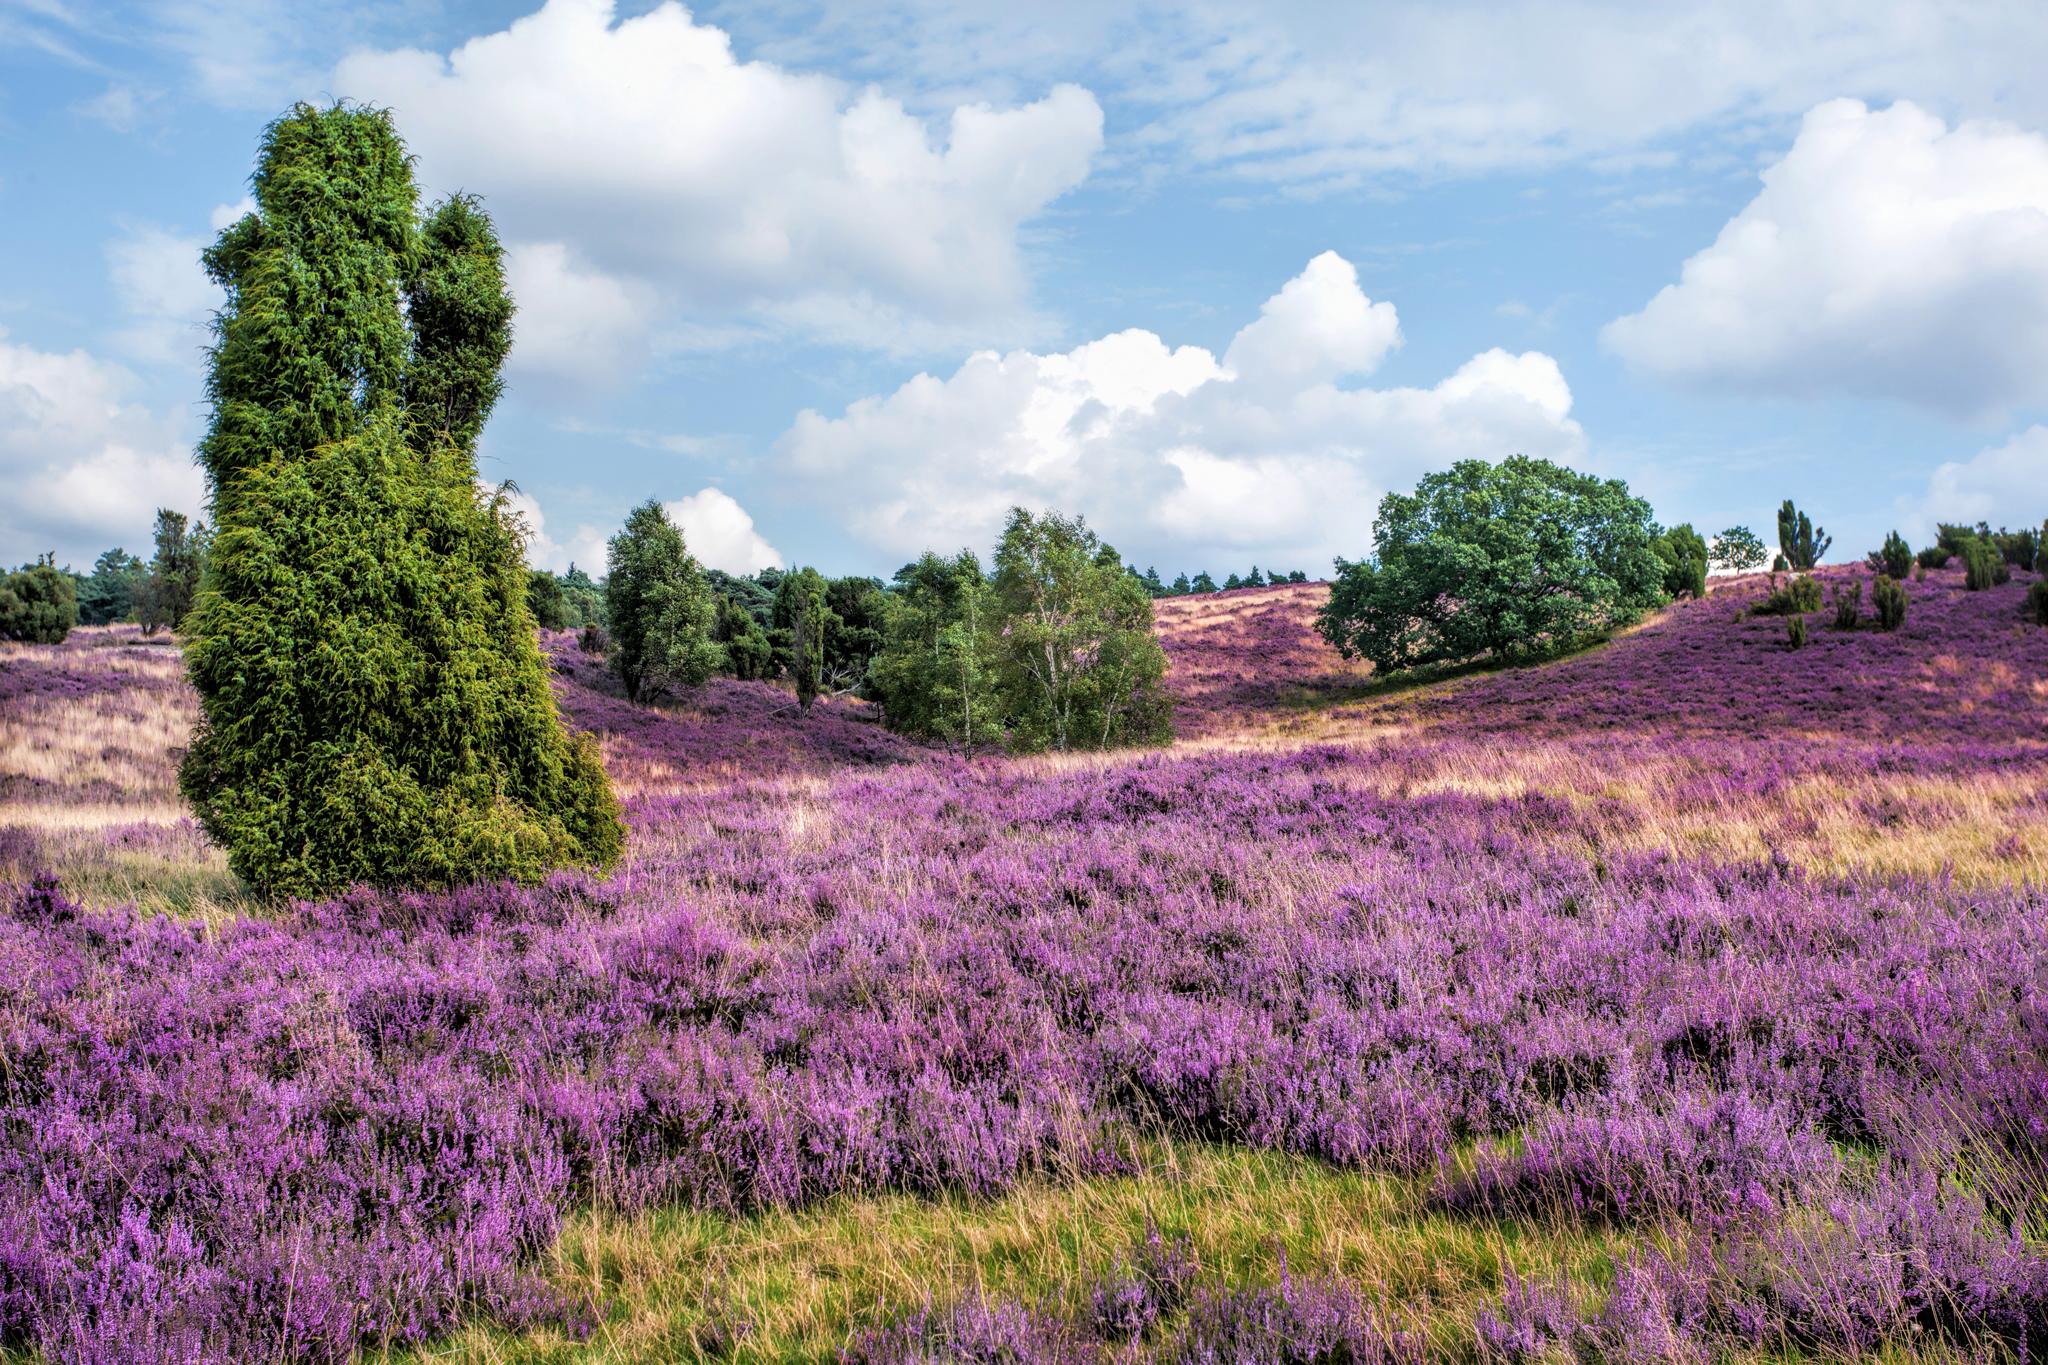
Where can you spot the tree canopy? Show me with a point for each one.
(1486, 560)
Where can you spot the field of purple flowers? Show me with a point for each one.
(1728, 953)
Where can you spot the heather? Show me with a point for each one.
(1680, 998)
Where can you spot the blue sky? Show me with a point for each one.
(839, 282)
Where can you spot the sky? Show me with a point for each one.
(837, 283)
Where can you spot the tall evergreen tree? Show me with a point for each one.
(375, 707)
(801, 623)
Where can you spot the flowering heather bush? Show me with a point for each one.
(836, 963)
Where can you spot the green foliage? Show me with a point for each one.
(1495, 560)
(1181, 586)
(1800, 595)
(1983, 565)
(1739, 550)
(1684, 556)
(854, 625)
(583, 597)
(2037, 601)
(936, 674)
(1232, 582)
(1154, 585)
(1848, 604)
(545, 599)
(802, 624)
(110, 592)
(1799, 540)
(374, 704)
(749, 654)
(1934, 557)
(1078, 664)
(661, 611)
(2041, 549)
(1795, 631)
(172, 584)
(1203, 583)
(38, 603)
(1780, 564)
(1888, 600)
(1894, 557)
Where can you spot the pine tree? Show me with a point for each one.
(375, 707)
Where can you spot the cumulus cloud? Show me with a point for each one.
(584, 547)
(1271, 453)
(1993, 485)
(85, 466)
(721, 534)
(1888, 255)
(164, 291)
(662, 170)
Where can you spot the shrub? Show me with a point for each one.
(38, 603)
(1801, 594)
(1983, 566)
(1780, 564)
(375, 707)
(2037, 601)
(1795, 631)
(593, 639)
(1894, 557)
(1495, 560)
(1848, 604)
(1888, 600)
(1934, 557)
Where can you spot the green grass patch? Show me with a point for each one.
(806, 1281)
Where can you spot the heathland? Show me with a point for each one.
(1682, 998)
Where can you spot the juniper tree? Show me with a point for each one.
(1799, 540)
(801, 624)
(374, 705)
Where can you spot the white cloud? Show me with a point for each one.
(2002, 484)
(1887, 255)
(584, 547)
(164, 290)
(85, 467)
(649, 156)
(1305, 93)
(721, 534)
(574, 323)
(1167, 448)
(1318, 327)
